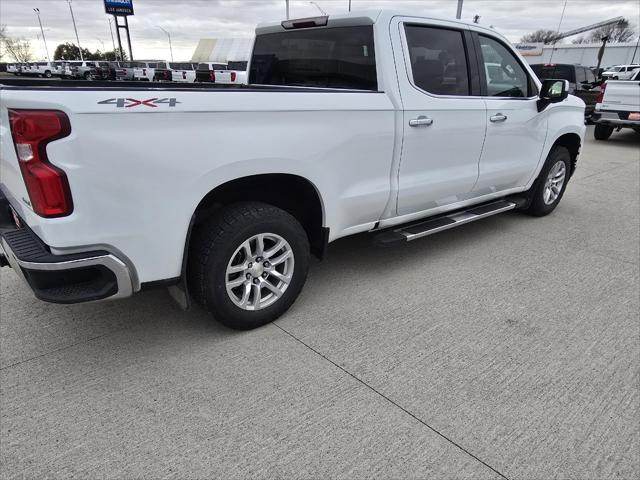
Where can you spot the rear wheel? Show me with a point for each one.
(87, 75)
(549, 188)
(602, 132)
(47, 74)
(248, 263)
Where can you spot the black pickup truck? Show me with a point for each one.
(582, 81)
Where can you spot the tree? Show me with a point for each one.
(19, 49)
(114, 55)
(540, 36)
(69, 51)
(618, 33)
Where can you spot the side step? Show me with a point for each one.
(413, 231)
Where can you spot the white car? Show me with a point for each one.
(620, 72)
(208, 72)
(147, 73)
(367, 122)
(13, 68)
(68, 68)
(184, 72)
(618, 107)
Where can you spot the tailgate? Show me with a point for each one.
(622, 96)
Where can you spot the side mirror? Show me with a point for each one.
(587, 85)
(552, 91)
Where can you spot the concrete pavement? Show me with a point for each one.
(505, 348)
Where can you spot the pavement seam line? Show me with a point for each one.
(392, 402)
(62, 348)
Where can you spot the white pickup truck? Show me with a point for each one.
(371, 122)
(617, 107)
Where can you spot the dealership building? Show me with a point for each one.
(223, 50)
(580, 54)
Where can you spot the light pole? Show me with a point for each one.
(287, 4)
(169, 36)
(459, 11)
(46, 49)
(76, 30)
(318, 7)
(349, 5)
(113, 42)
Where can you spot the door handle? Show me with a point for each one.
(421, 120)
(498, 118)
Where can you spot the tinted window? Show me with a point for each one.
(237, 65)
(581, 75)
(438, 60)
(341, 57)
(558, 72)
(512, 79)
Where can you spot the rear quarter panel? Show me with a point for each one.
(137, 173)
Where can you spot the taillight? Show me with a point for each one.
(233, 76)
(212, 76)
(600, 96)
(47, 185)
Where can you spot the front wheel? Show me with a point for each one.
(549, 188)
(602, 132)
(248, 264)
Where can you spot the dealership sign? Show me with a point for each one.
(118, 7)
(530, 49)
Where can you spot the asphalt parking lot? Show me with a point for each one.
(505, 348)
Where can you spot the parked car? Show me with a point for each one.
(27, 69)
(126, 70)
(208, 71)
(618, 107)
(582, 81)
(163, 73)
(147, 73)
(620, 72)
(335, 135)
(183, 72)
(82, 70)
(13, 68)
(104, 71)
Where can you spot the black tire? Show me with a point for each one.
(87, 75)
(213, 245)
(47, 74)
(602, 132)
(537, 206)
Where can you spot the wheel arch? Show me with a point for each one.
(292, 193)
(573, 143)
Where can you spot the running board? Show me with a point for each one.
(413, 231)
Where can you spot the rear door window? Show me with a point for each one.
(438, 60)
(336, 57)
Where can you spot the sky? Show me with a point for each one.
(190, 20)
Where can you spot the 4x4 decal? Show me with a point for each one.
(133, 102)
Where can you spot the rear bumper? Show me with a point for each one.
(614, 119)
(71, 278)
